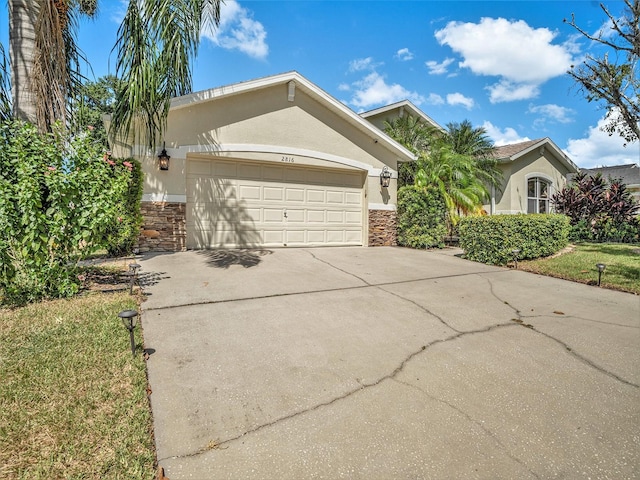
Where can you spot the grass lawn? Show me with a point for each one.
(622, 261)
(73, 400)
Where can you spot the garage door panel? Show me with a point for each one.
(353, 198)
(273, 237)
(274, 193)
(334, 216)
(316, 236)
(250, 171)
(315, 196)
(295, 236)
(248, 192)
(334, 196)
(315, 216)
(273, 215)
(225, 169)
(295, 216)
(244, 204)
(294, 194)
(273, 173)
(353, 218)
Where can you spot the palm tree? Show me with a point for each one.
(157, 41)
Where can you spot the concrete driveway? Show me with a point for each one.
(386, 363)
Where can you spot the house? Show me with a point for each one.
(532, 172)
(271, 162)
(628, 174)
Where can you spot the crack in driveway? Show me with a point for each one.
(582, 358)
(472, 420)
(363, 386)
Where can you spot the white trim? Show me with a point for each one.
(164, 197)
(183, 150)
(382, 206)
(401, 105)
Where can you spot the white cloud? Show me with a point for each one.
(404, 54)
(361, 64)
(551, 113)
(436, 68)
(599, 149)
(460, 99)
(506, 91)
(344, 87)
(524, 57)
(374, 90)
(434, 99)
(238, 31)
(503, 137)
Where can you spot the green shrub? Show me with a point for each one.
(421, 217)
(124, 229)
(58, 196)
(491, 239)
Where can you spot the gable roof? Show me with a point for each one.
(629, 174)
(511, 153)
(404, 105)
(293, 80)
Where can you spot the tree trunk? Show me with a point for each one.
(22, 40)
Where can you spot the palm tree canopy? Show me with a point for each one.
(157, 42)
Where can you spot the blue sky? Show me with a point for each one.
(499, 64)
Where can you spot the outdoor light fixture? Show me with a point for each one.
(128, 318)
(600, 267)
(163, 159)
(385, 176)
(515, 253)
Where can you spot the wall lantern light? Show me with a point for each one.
(163, 159)
(515, 252)
(385, 176)
(128, 318)
(600, 267)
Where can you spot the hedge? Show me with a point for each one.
(491, 239)
(421, 218)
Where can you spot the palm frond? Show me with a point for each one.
(157, 43)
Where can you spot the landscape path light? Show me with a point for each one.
(600, 267)
(515, 253)
(129, 320)
(133, 275)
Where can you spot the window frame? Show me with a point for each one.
(539, 179)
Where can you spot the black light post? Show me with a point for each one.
(133, 275)
(600, 267)
(128, 318)
(515, 253)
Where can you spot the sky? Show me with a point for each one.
(499, 64)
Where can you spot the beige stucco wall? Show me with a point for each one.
(513, 198)
(264, 126)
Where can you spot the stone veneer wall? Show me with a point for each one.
(382, 228)
(164, 227)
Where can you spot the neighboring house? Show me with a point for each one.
(532, 172)
(270, 162)
(628, 174)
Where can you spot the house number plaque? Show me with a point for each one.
(287, 159)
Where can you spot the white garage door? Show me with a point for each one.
(245, 204)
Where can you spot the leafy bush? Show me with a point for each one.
(58, 196)
(599, 210)
(491, 239)
(422, 216)
(124, 230)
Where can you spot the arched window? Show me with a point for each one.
(538, 195)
